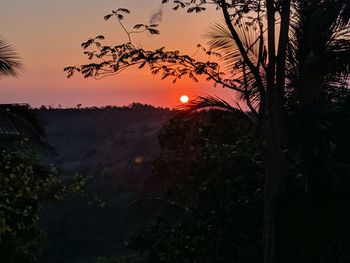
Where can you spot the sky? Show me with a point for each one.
(47, 34)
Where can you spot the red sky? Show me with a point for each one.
(47, 34)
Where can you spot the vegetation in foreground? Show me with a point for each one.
(208, 184)
(289, 62)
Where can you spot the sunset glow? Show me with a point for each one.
(52, 44)
(184, 99)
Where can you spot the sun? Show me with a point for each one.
(184, 99)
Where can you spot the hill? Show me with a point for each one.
(111, 146)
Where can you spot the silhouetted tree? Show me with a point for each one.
(285, 57)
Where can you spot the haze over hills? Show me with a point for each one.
(113, 147)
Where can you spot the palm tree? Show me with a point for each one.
(319, 55)
(17, 121)
(10, 62)
(316, 95)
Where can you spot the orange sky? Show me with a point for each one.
(48, 33)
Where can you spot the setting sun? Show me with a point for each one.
(184, 99)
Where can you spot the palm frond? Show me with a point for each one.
(10, 62)
(338, 50)
(221, 41)
(200, 112)
(209, 103)
(345, 12)
(319, 50)
(19, 128)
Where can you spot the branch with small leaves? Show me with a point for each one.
(119, 14)
(111, 60)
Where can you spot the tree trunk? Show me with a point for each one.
(275, 184)
(276, 164)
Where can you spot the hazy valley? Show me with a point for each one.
(113, 148)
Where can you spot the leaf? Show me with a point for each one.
(182, 4)
(70, 71)
(190, 10)
(142, 65)
(153, 31)
(165, 76)
(89, 54)
(155, 71)
(88, 43)
(138, 26)
(123, 10)
(107, 17)
(197, 9)
(192, 77)
(100, 37)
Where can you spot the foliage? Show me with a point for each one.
(10, 62)
(211, 176)
(19, 123)
(24, 184)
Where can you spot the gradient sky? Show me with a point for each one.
(47, 35)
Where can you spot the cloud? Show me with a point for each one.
(157, 16)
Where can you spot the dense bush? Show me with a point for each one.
(209, 176)
(23, 184)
